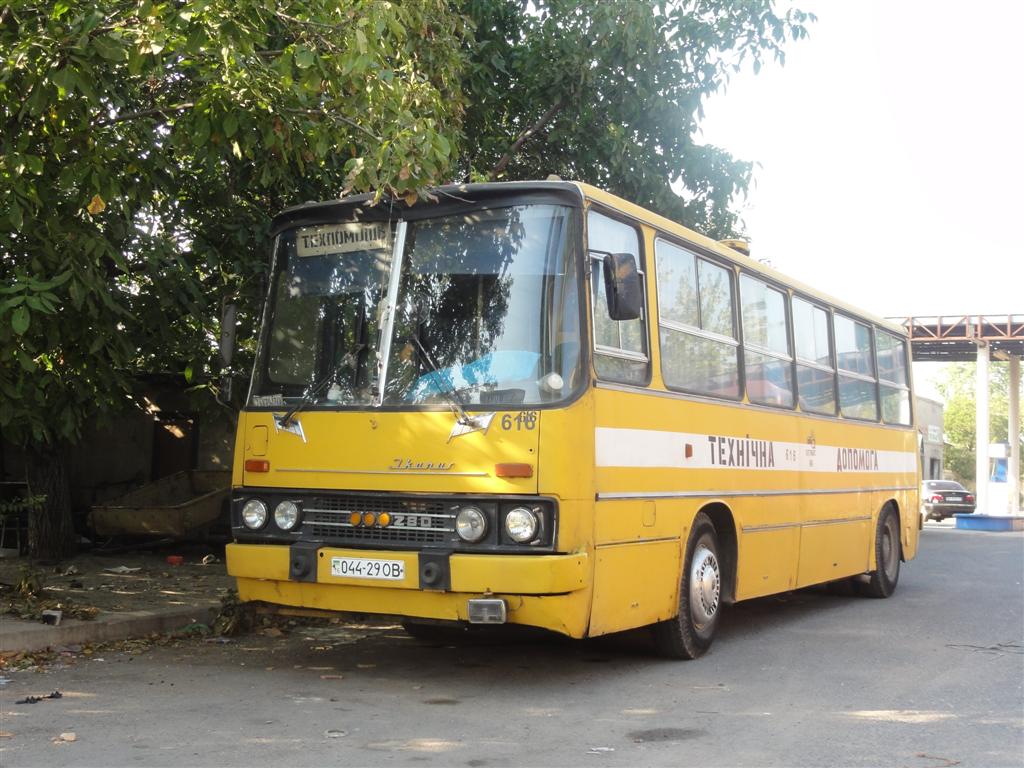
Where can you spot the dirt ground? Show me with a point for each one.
(125, 581)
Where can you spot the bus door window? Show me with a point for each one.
(767, 361)
(815, 376)
(699, 349)
(620, 346)
(858, 397)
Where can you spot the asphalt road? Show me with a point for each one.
(930, 678)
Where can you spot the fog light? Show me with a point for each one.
(521, 525)
(254, 514)
(286, 515)
(486, 611)
(471, 524)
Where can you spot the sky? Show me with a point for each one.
(890, 156)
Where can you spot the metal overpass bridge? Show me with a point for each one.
(952, 338)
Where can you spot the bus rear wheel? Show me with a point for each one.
(690, 633)
(883, 580)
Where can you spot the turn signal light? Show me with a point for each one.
(369, 519)
(384, 519)
(513, 470)
(257, 465)
(355, 518)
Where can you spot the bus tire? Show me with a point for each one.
(883, 580)
(690, 633)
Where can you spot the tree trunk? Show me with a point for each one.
(51, 532)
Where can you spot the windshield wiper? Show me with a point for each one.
(446, 388)
(307, 399)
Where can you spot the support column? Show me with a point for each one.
(981, 430)
(1013, 468)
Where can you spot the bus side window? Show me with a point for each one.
(857, 387)
(699, 350)
(620, 346)
(767, 361)
(815, 375)
(891, 353)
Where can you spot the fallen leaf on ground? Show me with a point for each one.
(66, 737)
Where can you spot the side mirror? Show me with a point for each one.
(227, 351)
(622, 286)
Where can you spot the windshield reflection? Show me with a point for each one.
(487, 311)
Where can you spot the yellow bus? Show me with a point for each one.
(535, 403)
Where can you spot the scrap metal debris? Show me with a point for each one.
(122, 570)
(997, 649)
(37, 699)
(946, 762)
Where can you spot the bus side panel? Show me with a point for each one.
(767, 547)
(839, 521)
(635, 582)
(656, 448)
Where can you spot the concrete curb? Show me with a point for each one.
(17, 635)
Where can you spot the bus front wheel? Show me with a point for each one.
(689, 634)
(883, 579)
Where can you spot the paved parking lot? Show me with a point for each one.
(929, 678)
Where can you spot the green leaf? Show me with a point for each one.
(26, 362)
(14, 215)
(304, 58)
(20, 320)
(230, 124)
(110, 48)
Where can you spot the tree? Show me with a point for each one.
(145, 147)
(612, 93)
(957, 388)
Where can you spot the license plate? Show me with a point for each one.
(367, 568)
(954, 498)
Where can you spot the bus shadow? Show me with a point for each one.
(519, 649)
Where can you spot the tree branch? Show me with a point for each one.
(341, 118)
(553, 110)
(144, 113)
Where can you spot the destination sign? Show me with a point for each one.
(342, 238)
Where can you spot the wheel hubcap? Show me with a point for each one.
(705, 586)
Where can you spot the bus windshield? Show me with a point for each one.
(486, 311)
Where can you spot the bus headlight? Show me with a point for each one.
(254, 514)
(286, 515)
(471, 524)
(521, 524)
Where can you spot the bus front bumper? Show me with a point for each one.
(547, 591)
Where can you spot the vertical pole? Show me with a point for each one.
(981, 430)
(1013, 470)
